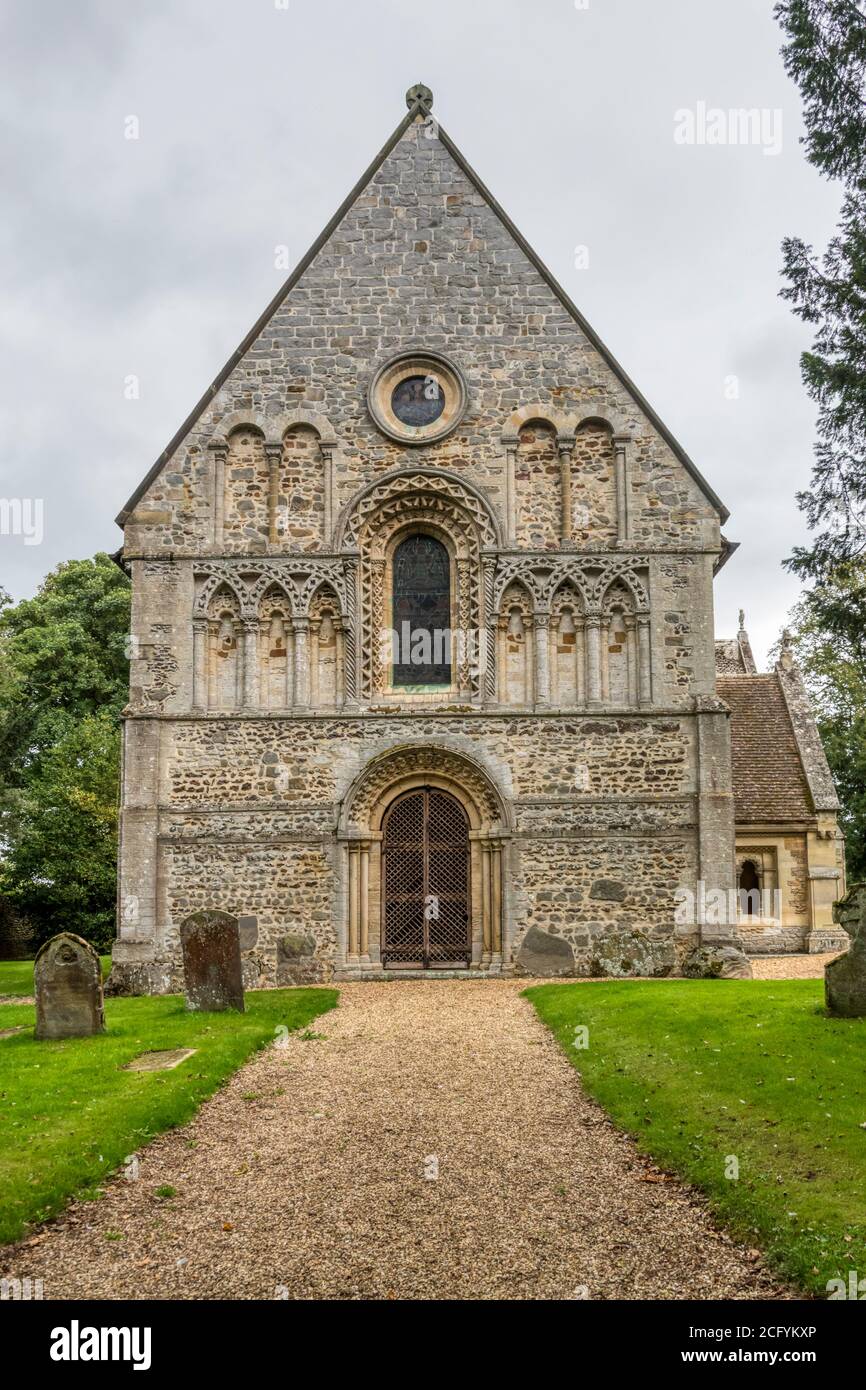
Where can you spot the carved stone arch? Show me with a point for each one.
(387, 773)
(419, 770)
(279, 426)
(610, 574)
(519, 571)
(527, 414)
(324, 593)
(216, 579)
(307, 586)
(264, 584)
(618, 594)
(422, 500)
(238, 420)
(326, 646)
(567, 592)
(442, 490)
(612, 420)
(517, 593)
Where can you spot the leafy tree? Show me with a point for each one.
(63, 682)
(834, 669)
(62, 866)
(825, 53)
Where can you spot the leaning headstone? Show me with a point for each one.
(845, 977)
(68, 982)
(212, 962)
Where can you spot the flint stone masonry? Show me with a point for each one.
(211, 962)
(263, 740)
(68, 983)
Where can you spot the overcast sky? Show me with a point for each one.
(152, 257)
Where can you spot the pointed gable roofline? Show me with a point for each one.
(419, 100)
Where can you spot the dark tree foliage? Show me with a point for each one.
(825, 54)
(63, 681)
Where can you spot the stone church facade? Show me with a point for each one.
(424, 673)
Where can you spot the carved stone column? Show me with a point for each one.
(565, 446)
(199, 663)
(553, 646)
(510, 490)
(274, 456)
(486, 927)
(631, 656)
(327, 452)
(541, 634)
(620, 464)
(302, 662)
(593, 661)
(644, 660)
(340, 676)
(487, 651)
(313, 661)
(364, 899)
(350, 631)
(463, 634)
(496, 898)
(354, 932)
(250, 660)
(213, 628)
(219, 451)
(379, 672)
(579, 660)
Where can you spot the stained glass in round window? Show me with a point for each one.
(418, 400)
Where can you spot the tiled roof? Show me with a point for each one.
(768, 776)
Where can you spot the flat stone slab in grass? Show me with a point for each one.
(160, 1061)
(10, 1032)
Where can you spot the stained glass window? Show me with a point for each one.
(421, 624)
(418, 400)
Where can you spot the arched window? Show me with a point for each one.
(421, 612)
(750, 890)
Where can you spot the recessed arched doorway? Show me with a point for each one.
(426, 913)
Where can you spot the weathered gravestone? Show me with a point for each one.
(68, 983)
(845, 977)
(543, 954)
(212, 962)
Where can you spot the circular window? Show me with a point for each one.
(417, 398)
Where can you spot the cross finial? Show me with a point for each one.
(419, 93)
(742, 619)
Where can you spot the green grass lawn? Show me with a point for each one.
(16, 976)
(703, 1070)
(69, 1115)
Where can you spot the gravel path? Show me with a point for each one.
(316, 1188)
(791, 967)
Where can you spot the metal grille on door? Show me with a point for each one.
(425, 855)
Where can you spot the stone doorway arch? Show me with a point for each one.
(361, 834)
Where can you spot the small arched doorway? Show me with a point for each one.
(425, 881)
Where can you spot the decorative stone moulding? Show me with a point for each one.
(417, 397)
